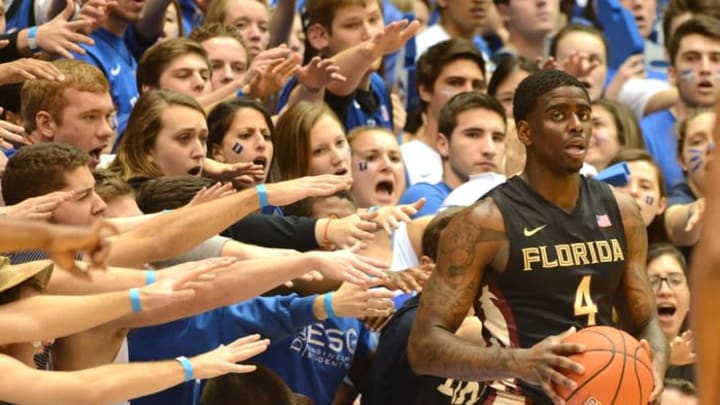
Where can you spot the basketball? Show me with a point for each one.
(618, 371)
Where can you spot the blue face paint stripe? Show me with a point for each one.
(237, 148)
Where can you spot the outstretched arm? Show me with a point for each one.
(635, 302)
(46, 317)
(246, 279)
(117, 382)
(178, 231)
(62, 243)
(355, 62)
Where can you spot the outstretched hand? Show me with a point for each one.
(224, 359)
(352, 300)
(409, 280)
(288, 192)
(348, 265)
(394, 37)
(38, 208)
(178, 282)
(244, 173)
(318, 74)
(217, 190)
(96, 12)
(389, 217)
(682, 349)
(67, 241)
(23, 69)
(10, 132)
(696, 214)
(61, 37)
(347, 231)
(271, 75)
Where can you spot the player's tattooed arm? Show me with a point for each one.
(635, 302)
(474, 239)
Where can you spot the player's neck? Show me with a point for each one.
(561, 189)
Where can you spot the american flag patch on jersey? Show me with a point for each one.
(603, 221)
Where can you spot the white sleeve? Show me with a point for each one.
(42, 9)
(636, 93)
(403, 254)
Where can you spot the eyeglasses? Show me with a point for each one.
(674, 281)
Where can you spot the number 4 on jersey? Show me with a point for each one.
(584, 304)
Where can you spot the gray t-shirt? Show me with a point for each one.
(210, 248)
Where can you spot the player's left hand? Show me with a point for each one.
(659, 368)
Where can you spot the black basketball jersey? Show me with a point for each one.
(563, 269)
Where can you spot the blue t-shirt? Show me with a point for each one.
(20, 15)
(434, 195)
(372, 109)
(114, 55)
(658, 130)
(315, 361)
(312, 357)
(273, 317)
(681, 194)
(192, 16)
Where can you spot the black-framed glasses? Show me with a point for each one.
(673, 280)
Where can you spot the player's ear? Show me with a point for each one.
(523, 132)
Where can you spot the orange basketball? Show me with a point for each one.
(618, 371)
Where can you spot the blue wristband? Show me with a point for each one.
(135, 299)
(262, 195)
(239, 94)
(32, 39)
(327, 300)
(187, 367)
(150, 277)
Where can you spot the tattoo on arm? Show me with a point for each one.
(469, 244)
(636, 303)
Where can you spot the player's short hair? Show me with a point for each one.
(538, 84)
(261, 387)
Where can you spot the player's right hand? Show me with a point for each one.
(541, 364)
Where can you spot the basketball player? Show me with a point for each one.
(705, 271)
(547, 252)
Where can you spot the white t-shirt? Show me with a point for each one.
(469, 192)
(431, 36)
(422, 163)
(403, 254)
(636, 93)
